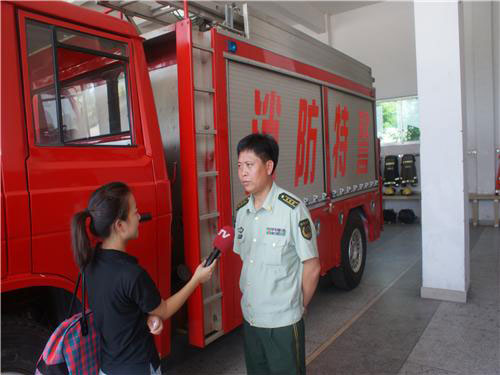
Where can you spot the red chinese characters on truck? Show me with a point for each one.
(270, 107)
(306, 136)
(363, 143)
(267, 114)
(341, 146)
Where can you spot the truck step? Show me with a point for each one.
(212, 298)
(206, 132)
(208, 91)
(208, 174)
(211, 215)
(203, 48)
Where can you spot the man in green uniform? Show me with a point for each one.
(276, 240)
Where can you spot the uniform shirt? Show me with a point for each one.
(273, 242)
(121, 293)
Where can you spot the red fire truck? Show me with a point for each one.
(86, 100)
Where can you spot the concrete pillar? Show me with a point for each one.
(329, 29)
(445, 223)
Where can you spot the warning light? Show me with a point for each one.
(231, 46)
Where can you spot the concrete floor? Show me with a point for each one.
(383, 326)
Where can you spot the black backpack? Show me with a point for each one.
(407, 216)
(408, 170)
(391, 170)
(390, 216)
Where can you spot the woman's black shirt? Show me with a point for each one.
(121, 293)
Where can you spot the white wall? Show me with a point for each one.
(321, 37)
(381, 36)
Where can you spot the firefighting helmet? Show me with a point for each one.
(406, 191)
(389, 191)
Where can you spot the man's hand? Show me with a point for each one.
(155, 324)
(310, 278)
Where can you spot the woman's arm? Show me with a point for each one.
(169, 307)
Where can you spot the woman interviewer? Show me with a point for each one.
(126, 304)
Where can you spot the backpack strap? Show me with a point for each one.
(73, 298)
(83, 320)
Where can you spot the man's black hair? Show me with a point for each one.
(262, 145)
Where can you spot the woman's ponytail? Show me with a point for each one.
(106, 205)
(83, 252)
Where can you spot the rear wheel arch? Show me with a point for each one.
(29, 315)
(362, 212)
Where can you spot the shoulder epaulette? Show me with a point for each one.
(242, 203)
(288, 200)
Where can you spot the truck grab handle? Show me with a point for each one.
(145, 217)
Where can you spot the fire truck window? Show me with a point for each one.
(92, 88)
(77, 39)
(41, 76)
(93, 99)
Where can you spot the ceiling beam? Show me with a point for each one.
(292, 12)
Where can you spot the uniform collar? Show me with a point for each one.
(268, 202)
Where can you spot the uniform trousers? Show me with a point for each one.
(275, 350)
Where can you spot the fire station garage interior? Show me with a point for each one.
(425, 298)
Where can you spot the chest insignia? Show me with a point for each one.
(305, 229)
(275, 231)
(288, 200)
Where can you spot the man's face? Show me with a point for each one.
(254, 174)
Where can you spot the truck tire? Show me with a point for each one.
(353, 254)
(23, 341)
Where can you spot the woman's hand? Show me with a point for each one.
(203, 274)
(155, 324)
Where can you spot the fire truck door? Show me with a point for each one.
(84, 130)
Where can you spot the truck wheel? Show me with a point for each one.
(353, 254)
(23, 341)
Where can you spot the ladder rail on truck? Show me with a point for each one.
(195, 81)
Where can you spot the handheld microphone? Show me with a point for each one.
(222, 242)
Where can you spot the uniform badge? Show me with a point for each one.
(305, 229)
(242, 203)
(240, 232)
(288, 200)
